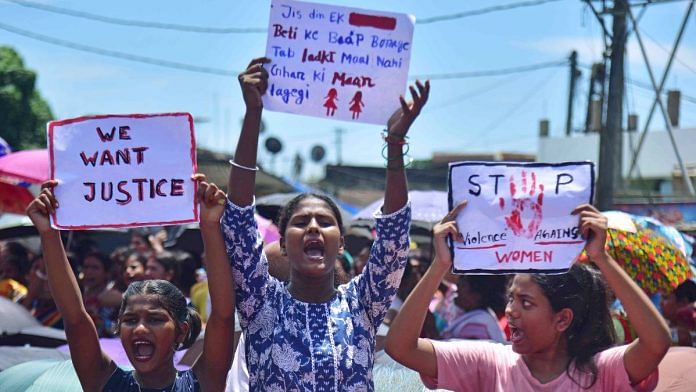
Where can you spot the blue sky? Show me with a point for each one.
(466, 115)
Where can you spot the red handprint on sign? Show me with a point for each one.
(524, 206)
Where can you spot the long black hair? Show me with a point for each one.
(103, 259)
(292, 205)
(686, 292)
(583, 291)
(18, 256)
(170, 299)
(491, 290)
(168, 260)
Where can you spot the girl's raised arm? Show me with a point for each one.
(403, 340)
(645, 353)
(254, 82)
(92, 365)
(396, 193)
(212, 366)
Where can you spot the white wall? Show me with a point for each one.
(656, 159)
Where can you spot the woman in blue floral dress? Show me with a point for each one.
(307, 335)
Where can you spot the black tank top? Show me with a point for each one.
(124, 381)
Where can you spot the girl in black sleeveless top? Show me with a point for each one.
(153, 320)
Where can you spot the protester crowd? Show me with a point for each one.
(463, 307)
(312, 316)
(103, 278)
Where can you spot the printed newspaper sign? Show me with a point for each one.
(123, 170)
(518, 217)
(337, 62)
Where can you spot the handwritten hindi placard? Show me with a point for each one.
(337, 62)
(123, 170)
(518, 217)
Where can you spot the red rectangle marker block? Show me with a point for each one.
(378, 22)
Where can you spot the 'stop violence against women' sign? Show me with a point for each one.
(123, 170)
(518, 216)
(337, 62)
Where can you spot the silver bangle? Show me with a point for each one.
(235, 164)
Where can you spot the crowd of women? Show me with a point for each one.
(312, 322)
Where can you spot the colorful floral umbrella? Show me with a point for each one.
(652, 261)
(669, 233)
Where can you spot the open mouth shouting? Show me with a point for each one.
(516, 334)
(314, 250)
(143, 350)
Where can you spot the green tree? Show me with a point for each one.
(23, 112)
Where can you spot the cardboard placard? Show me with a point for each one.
(123, 170)
(337, 62)
(518, 217)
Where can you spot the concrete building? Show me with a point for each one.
(361, 185)
(657, 163)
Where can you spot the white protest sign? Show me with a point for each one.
(123, 170)
(518, 217)
(337, 62)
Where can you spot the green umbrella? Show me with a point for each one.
(40, 376)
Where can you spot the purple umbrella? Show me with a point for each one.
(114, 348)
(4, 147)
(426, 206)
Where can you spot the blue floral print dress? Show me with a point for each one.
(298, 346)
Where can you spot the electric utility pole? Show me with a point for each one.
(574, 74)
(339, 145)
(610, 140)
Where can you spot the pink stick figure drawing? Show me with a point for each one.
(330, 103)
(356, 105)
(525, 204)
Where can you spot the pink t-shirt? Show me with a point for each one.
(484, 366)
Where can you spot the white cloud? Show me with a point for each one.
(590, 50)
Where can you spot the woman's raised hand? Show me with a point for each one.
(254, 82)
(446, 227)
(401, 120)
(211, 199)
(593, 227)
(44, 205)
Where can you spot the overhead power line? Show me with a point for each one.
(137, 23)
(491, 72)
(222, 72)
(646, 86)
(676, 57)
(499, 120)
(246, 30)
(473, 94)
(652, 2)
(481, 11)
(112, 53)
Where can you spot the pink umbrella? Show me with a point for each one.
(28, 166)
(269, 231)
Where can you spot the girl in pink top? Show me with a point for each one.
(561, 328)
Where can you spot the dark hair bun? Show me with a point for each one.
(194, 322)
